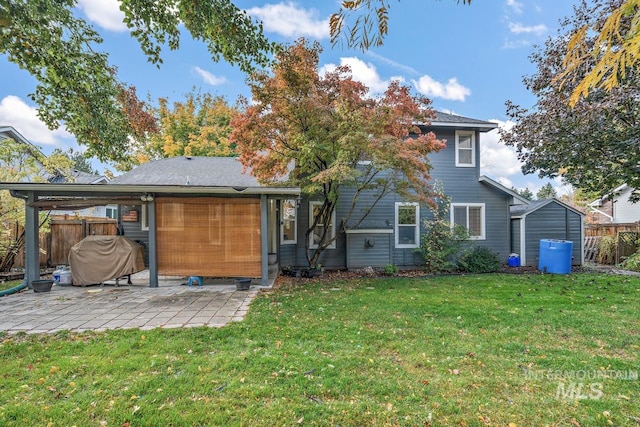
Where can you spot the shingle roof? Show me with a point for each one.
(522, 210)
(195, 171)
(445, 119)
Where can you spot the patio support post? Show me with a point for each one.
(264, 237)
(153, 259)
(32, 241)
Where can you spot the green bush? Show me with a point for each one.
(390, 270)
(441, 241)
(631, 263)
(607, 247)
(479, 260)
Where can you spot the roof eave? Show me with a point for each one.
(156, 189)
(482, 127)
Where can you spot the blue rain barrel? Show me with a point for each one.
(514, 260)
(555, 256)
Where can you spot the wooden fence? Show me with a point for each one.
(609, 229)
(625, 242)
(64, 233)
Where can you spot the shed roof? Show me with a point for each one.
(520, 211)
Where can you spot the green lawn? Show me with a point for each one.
(9, 284)
(486, 350)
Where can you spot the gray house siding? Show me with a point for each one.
(552, 221)
(515, 236)
(133, 230)
(461, 184)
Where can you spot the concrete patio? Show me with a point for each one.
(100, 307)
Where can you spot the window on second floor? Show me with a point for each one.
(471, 217)
(314, 210)
(465, 149)
(407, 225)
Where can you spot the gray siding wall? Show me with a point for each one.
(461, 184)
(369, 249)
(133, 230)
(515, 236)
(552, 221)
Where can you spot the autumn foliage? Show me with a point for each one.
(327, 132)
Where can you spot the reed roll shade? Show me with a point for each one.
(208, 236)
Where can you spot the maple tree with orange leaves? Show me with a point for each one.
(328, 133)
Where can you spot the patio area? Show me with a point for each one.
(100, 307)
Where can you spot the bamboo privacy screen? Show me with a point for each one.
(212, 237)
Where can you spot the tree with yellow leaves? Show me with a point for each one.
(197, 126)
(599, 54)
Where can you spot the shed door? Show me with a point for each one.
(212, 237)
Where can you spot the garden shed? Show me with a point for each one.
(545, 219)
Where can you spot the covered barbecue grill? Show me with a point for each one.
(97, 259)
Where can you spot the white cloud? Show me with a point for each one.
(364, 72)
(208, 77)
(496, 159)
(105, 13)
(506, 182)
(452, 90)
(391, 62)
(518, 28)
(515, 6)
(289, 20)
(22, 117)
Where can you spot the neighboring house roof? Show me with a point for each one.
(521, 211)
(9, 132)
(80, 177)
(190, 171)
(612, 194)
(517, 198)
(451, 120)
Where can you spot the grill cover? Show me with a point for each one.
(97, 259)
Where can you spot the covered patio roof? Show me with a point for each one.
(179, 176)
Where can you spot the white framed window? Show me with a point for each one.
(471, 216)
(465, 149)
(288, 222)
(111, 211)
(314, 238)
(407, 225)
(144, 218)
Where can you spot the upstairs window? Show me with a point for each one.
(407, 226)
(465, 149)
(314, 210)
(471, 217)
(288, 229)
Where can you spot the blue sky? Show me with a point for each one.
(469, 59)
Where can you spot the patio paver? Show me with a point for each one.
(105, 307)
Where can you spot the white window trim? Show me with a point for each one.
(483, 228)
(295, 227)
(417, 226)
(144, 226)
(333, 229)
(473, 149)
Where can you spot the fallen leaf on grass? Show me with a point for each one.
(315, 399)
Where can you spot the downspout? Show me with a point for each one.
(523, 241)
